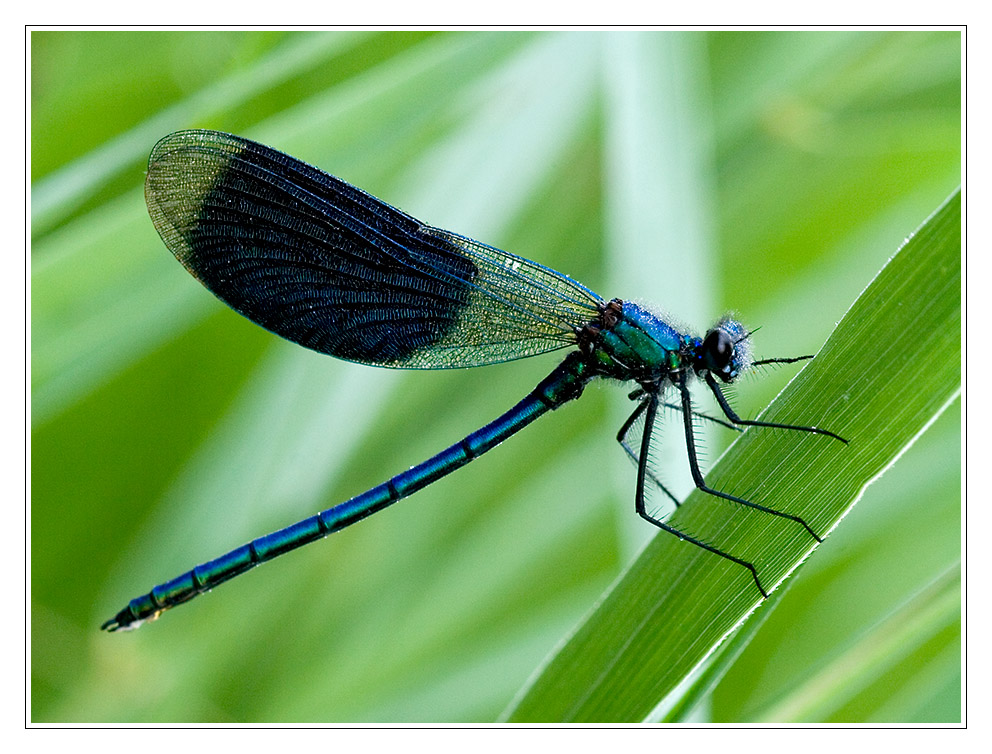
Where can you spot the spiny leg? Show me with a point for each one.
(640, 392)
(632, 454)
(704, 416)
(781, 360)
(642, 473)
(697, 475)
(732, 415)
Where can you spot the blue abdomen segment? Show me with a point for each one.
(562, 385)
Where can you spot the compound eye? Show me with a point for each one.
(719, 347)
(718, 354)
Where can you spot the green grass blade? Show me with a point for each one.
(889, 369)
(682, 703)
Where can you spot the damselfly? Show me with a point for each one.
(330, 267)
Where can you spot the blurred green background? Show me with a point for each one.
(768, 173)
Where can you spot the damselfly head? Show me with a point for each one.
(725, 351)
